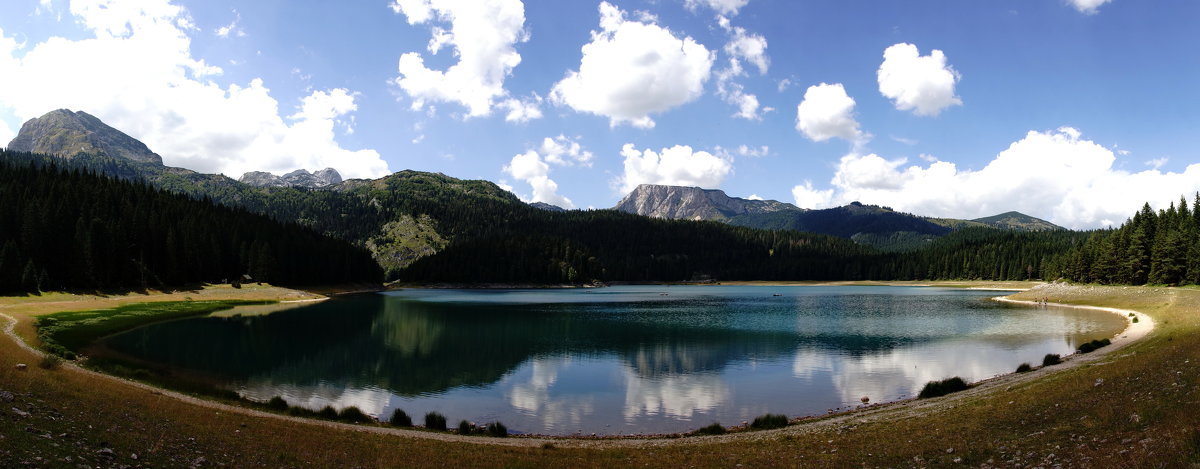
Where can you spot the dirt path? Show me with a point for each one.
(874, 413)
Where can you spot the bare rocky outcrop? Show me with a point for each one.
(298, 178)
(65, 133)
(693, 203)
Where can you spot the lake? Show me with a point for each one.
(614, 360)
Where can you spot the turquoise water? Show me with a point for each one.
(615, 360)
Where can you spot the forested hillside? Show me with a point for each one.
(1158, 248)
(71, 229)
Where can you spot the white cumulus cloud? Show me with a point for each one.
(676, 166)
(530, 168)
(742, 47)
(922, 84)
(1088, 7)
(137, 73)
(827, 112)
(1056, 175)
(632, 69)
(483, 36)
(565, 151)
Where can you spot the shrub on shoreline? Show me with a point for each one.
(435, 421)
(400, 419)
(1024, 368)
(277, 403)
(354, 415)
(942, 388)
(1094, 345)
(1051, 359)
(497, 430)
(713, 429)
(769, 421)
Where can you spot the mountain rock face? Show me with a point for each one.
(693, 203)
(547, 207)
(298, 178)
(65, 133)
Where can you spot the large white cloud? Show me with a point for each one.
(1055, 175)
(922, 84)
(676, 166)
(632, 69)
(483, 35)
(827, 112)
(1088, 7)
(137, 73)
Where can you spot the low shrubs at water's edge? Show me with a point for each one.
(435, 421)
(943, 387)
(1093, 345)
(1051, 359)
(497, 429)
(1024, 368)
(400, 419)
(769, 421)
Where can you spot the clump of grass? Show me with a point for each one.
(769, 421)
(1094, 345)
(435, 421)
(328, 413)
(713, 429)
(465, 427)
(297, 411)
(942, 388)
(1024, 368)
(400, 419)
(497, 430)
(277, 403)
(50, 362)
(1051, 359)
(354, 415)
(1135, 320)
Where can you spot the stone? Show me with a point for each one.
(22, 367)
(6, 396)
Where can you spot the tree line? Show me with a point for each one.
(71, 229)
(1161, 248)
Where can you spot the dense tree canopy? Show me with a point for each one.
(71, 229)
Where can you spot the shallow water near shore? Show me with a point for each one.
(617, 360)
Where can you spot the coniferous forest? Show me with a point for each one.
(99, 223)
(74, 230)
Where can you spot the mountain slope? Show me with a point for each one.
(65, 133)
(1017, 221)
(692, 203)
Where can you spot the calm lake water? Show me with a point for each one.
(617, 360)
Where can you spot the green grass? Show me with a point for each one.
(66, 333)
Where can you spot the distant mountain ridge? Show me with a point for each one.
(877, 226)
(65, 133)
(298, 178)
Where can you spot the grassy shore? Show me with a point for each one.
(1135, 407)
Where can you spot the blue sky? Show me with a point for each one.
(1076, 111)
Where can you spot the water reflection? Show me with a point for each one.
(617, 360)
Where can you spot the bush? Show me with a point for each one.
(400, 419)
(50, 362)
(769, 421)
(497, 429)
(1051, 359)
(277, 403)
(435, 421)
(465, 427)
(1135, 320)
(328, 413)
(942, 388)
(1024, 368)
(353, 414)
(298, 411)
(714, 429)
(1094, 345)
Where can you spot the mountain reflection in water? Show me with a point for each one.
(615, 360)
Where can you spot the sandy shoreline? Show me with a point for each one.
(877, 412)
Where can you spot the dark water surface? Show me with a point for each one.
(617, 360)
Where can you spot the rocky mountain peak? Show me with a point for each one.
(298, 178)
(693, 203)
(66, 133)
